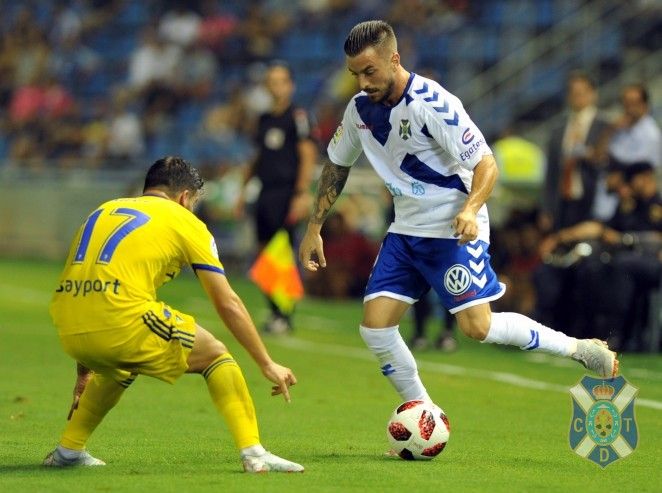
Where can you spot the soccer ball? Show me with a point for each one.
(418, 430)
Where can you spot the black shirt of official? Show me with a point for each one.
(277, 138)
(277, 167)
(638, 215)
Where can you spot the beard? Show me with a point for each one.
(385, 94)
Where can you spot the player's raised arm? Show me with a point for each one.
(482, 184)
(331, 183)
(235, 316)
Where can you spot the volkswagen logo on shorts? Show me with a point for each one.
(457, 279)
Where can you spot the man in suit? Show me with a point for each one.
(576, 152)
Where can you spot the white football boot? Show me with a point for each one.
(269, 462)
(56, 459)
(595, 355)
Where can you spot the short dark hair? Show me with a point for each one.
(278, 63)
(641, 89)
(174, 174)
(635, 169)
(366, 34)
(582, 76)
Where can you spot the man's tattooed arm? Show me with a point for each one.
(330, 185)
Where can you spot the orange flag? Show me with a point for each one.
(275, 273)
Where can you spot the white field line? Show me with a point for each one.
(503, 377)
(40, 297)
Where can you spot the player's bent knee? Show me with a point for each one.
(216, 349)
(206, 350)
(475, 330)
(474, 327)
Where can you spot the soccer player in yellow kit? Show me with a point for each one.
(110, 322)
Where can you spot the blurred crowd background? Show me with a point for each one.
(93, 91)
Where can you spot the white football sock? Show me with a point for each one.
(519, 330)
(68, 453)
(396, 361)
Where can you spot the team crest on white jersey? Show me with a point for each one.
(417, 188)
(405, 129)
(457, 279)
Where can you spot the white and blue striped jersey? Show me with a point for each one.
(424, 148)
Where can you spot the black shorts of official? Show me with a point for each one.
(271, 212)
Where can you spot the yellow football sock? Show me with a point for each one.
(99, 397)
(230, 395)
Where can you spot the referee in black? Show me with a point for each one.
(285, 162)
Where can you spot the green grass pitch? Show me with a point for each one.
(509, 412)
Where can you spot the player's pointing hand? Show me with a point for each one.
(282, 377)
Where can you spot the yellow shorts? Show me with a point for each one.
(158, 345)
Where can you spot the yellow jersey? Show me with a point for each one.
(123, 252)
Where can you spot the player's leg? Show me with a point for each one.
(99, 397)
(393, 286)
(466, 283)
(380, 331)
(95, 351)
(229, 392)
(478, 322)
(227, 387)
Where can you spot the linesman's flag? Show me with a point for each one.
(275, 273)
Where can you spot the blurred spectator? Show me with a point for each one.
(284, 165)
(216, 26)
(327, 116)
(353, 253)
(576, 151)
(180, 26)
(256, 97)
(222, 186)
(67, 24)
(27, 49)
(197, 73)
(95, 137)
(45, 98)
(412, 15)
(26, 150)
(522, 167)
(265, 22)
(219, 141)
(422, 310)
(152, 78)
(614, 266)
(72, 62)
(64, 139)
(126, 138)
(153, 63)
(636, 138)
(515, 258)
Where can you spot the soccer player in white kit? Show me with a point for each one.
(440, 171)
